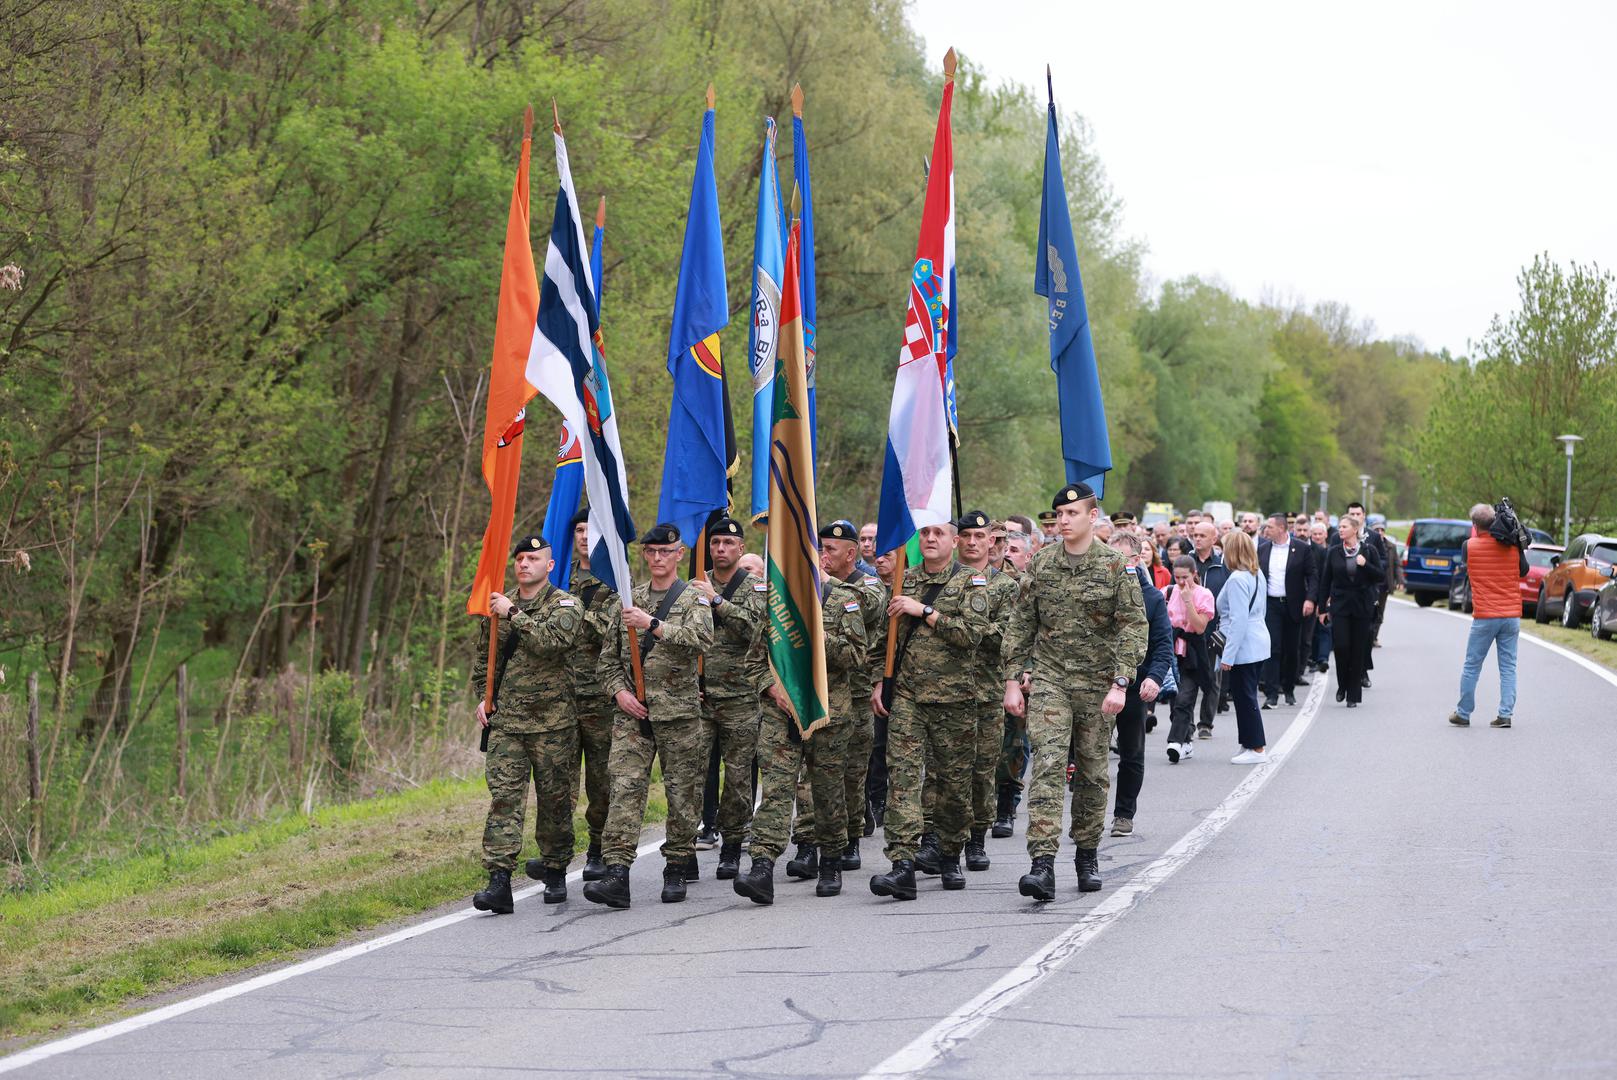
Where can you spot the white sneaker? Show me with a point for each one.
(1249, 757)
(1186, 751)
(1173, 753)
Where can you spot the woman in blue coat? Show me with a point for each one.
(1241, 607)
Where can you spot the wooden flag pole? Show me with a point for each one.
(900, 558)
(797, 100)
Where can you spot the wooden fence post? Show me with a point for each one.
(36, 800)
(182, 711)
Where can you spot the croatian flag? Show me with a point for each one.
(917, 483)
(567, 364)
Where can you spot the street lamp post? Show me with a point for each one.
(1364, 490)
(1305, 500)
(1570, 442)
(1324, 489)
(1369, 501)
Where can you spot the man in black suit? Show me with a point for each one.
(1378, 544)
(1293, 578)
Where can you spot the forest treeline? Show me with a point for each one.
(254, 255)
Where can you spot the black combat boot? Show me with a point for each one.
(1088, 863)
(673, 882)
(594, 868)
(949, 867)
(807, 864)
(496, 895)
(534, 868)
(899, 882)
(729, 860)
(693, 869)
(976, 853)
(850, 856)
(758, 883)
(830, 883)
(926, 854)
(1005, 815)
(611, 888)
(555, 880)
(1040, 882)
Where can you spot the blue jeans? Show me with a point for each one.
(1485, 632)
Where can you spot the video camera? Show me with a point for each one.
(1507, 527)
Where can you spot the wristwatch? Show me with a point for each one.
(1121, 683)
(927, 611)
(655, 622)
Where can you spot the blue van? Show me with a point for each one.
(1435, 545)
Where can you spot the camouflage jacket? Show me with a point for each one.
(731, 666)
(1003, 591)
(874, 608)
(936, 665)
(535, 694)
(842, 613)
(1080, 622)
(598, 604)
(670, 670)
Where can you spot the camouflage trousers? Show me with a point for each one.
(1014, 752)
(780, 759)
(511, 759)
(595, 740)
(677, 743)
(936, 740)
(1059, 717)
(984, 761)
(861, 741)
(733, 721)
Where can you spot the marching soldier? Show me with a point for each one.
(933, 718)
(783, 753)
(532, 730)
(597, 608)
(673, 626)
(975, 553)
(1074, 642)
(732, 673)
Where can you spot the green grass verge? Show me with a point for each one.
(1579, 641)
(80, 951)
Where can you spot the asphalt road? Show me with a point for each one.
(1391, 897)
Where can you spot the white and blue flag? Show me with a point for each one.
(763, 342)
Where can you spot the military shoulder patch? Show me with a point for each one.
(978, 579)
(704, 601)
(851, 605)
(761, 587)
(566, 601)
(872, 581)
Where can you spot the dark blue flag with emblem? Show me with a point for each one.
(1085, 444)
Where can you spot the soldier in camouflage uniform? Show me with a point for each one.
(782, 754)
(673, 626)
(933, 715)
(976, 544)
(532, 730)
(1075, 639)
(598, 606)
(733, 671)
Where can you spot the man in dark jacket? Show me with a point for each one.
(1148, 682)
(1292, 579)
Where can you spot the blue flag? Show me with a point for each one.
(768, 266)
(700, 453)
(800, 173)
(1085, 445)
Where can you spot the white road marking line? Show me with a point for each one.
(269, 978)
(947, 1034)
(1527, 635)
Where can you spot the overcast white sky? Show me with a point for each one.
(1403, 158)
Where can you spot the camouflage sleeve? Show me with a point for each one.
(845, 630)
(1016, 644)
(480, 659)
(690, 624)
(738, 620)
(965, 628)
(613, 668)
(1133, 629)
(553, 629)
(1001, 599)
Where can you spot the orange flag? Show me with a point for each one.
(508, 389)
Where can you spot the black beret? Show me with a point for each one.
(580, 518)
(663, 533)
(725, 526)
(536, 542)
(973, 519)
(840, 529)
(1071, 493)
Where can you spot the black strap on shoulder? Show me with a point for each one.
(928, 594)
(508, 649)
(587, 593)
(733, 584)
(648, 640)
